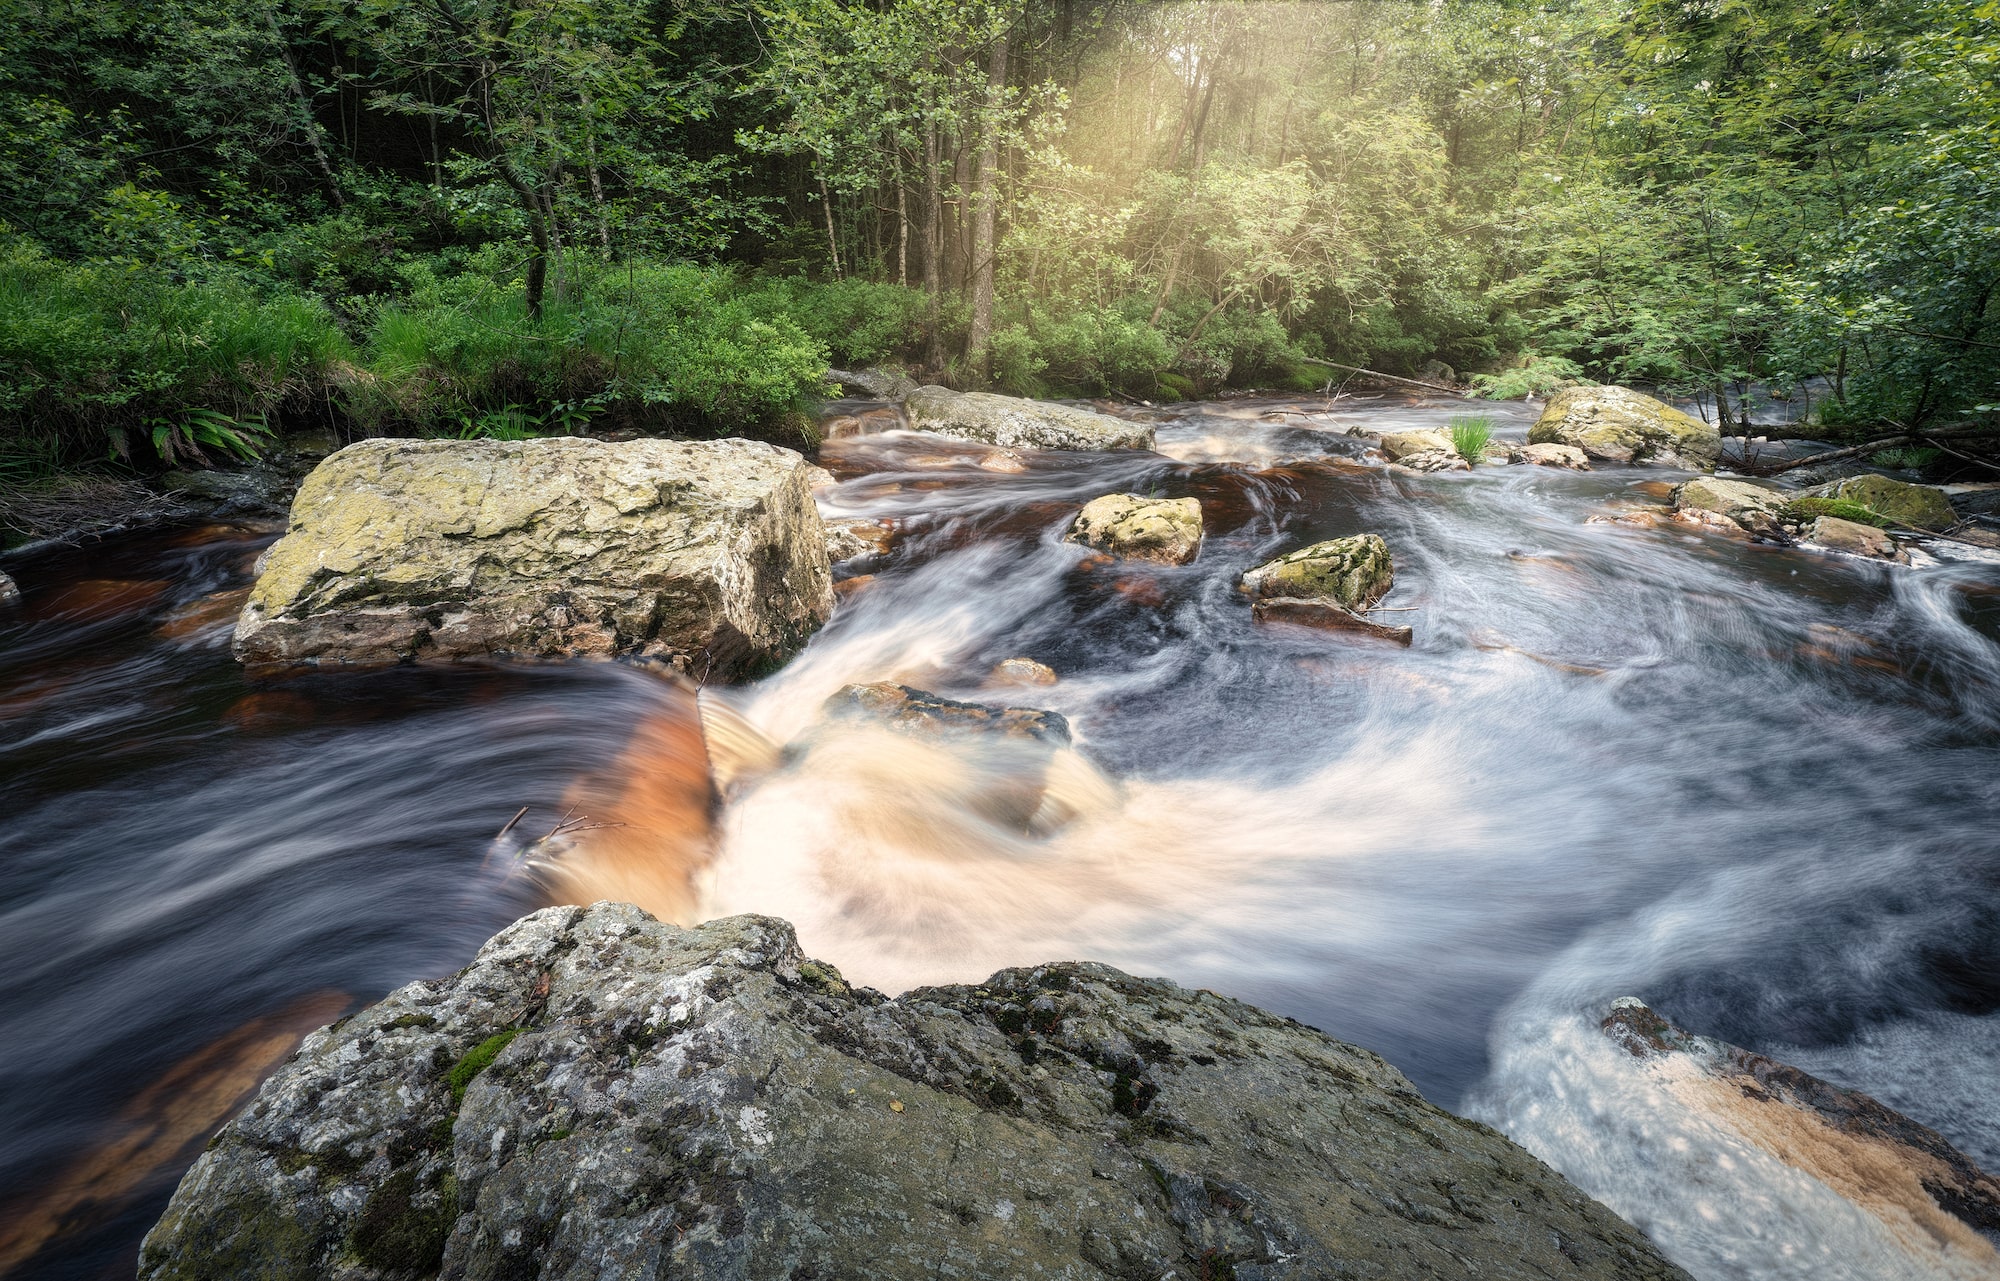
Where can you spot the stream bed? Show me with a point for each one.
(1756, 786)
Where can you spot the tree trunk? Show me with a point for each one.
(902, 224)
(832, 244)
(933, 246)
(980, 335)
(311, 121)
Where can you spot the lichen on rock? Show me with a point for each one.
(1917, 506)
(1167, 530)
(709, 555)
(1619, 425)
(708, 1103)
(1355, 572)
(1754, 509)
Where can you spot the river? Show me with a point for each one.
(1758, 787)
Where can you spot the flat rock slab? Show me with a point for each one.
(602, 1095)
(1619, 425)
(1015, 423)
(709, 555)
(1166, 530)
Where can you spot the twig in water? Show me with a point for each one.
(1394, 609)
(510, 823)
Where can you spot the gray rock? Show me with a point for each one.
(882, 384)
(10, 591)
(855, 537)
(1549, 455)
(709, 556)
(1021, 671)
(1015, 423)
(255, 490)
(1619, 425)
(1431, 460)
(927, 715)
(708, 1103)
(1167, 530)
(1751, 508)
(1854, 538)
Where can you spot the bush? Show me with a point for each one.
(95, 354)
(860, 322)
(1533, 375)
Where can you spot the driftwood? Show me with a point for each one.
(1394, 378)
(1874, 446)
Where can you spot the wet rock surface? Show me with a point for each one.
(1434, 460)
(1015, 423)
(1752, 508)
(602, 1095)
(1549, 455)
(1855, 539)
(709, 556)
(1326, 616)
(1400, 445)
(1874, 1155)
(1619, 425)
(1167, 530)
(928, 715)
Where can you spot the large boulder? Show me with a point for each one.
(1399, 445)
(1167, 530)
(1353, 572)
(603, 1095)
(1016, 423)
(1622, 426)
(1918, 506)
(1752, 508)
(708, 555)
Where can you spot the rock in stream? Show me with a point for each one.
(602, 1095)
(709, 555)
(1619, 425)
(1016, 423)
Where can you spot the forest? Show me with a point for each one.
(222, 219)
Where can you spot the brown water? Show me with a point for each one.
(1756, 786)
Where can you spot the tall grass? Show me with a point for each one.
(1469, 434)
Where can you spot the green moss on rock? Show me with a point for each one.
(477, 1060)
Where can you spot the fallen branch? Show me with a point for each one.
(1394, 378)
(518, 814)
(1877, 445)
(1987, 463)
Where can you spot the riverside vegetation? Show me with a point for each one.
(512, 217)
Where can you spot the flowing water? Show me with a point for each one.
(1758, 787)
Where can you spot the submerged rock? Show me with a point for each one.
(1354, 572)
(1752, 508)
(1167, 530)
(850, 538)
(1015, 423)
(1853, 538)
(1022, 671)
(1919, 506)
(10, 591)
(1326, 616)
(1878, 1158)
(1619, 425)
(708, 555)
(928, 715)
(599, 1094)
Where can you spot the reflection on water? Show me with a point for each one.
(1752, 785)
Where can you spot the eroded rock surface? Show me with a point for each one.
(1619, 425)
(1433, 460)
(1167, 530)
(708, 555)
(1016, 423)
(928, 715)
(708, 1103)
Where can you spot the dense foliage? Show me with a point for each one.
(481, 216)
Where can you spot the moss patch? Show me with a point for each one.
(1802, 510)
(401, 1230)
(477, 1060)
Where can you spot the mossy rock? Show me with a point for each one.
(1619, 425)
(1167, 530)
(1918, 506)
(1803, 511)
(1355, 572)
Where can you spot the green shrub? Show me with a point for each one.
(1533, 375)
(1469, 434)
(1906, 458)
(860, 322)
(1800, 510)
